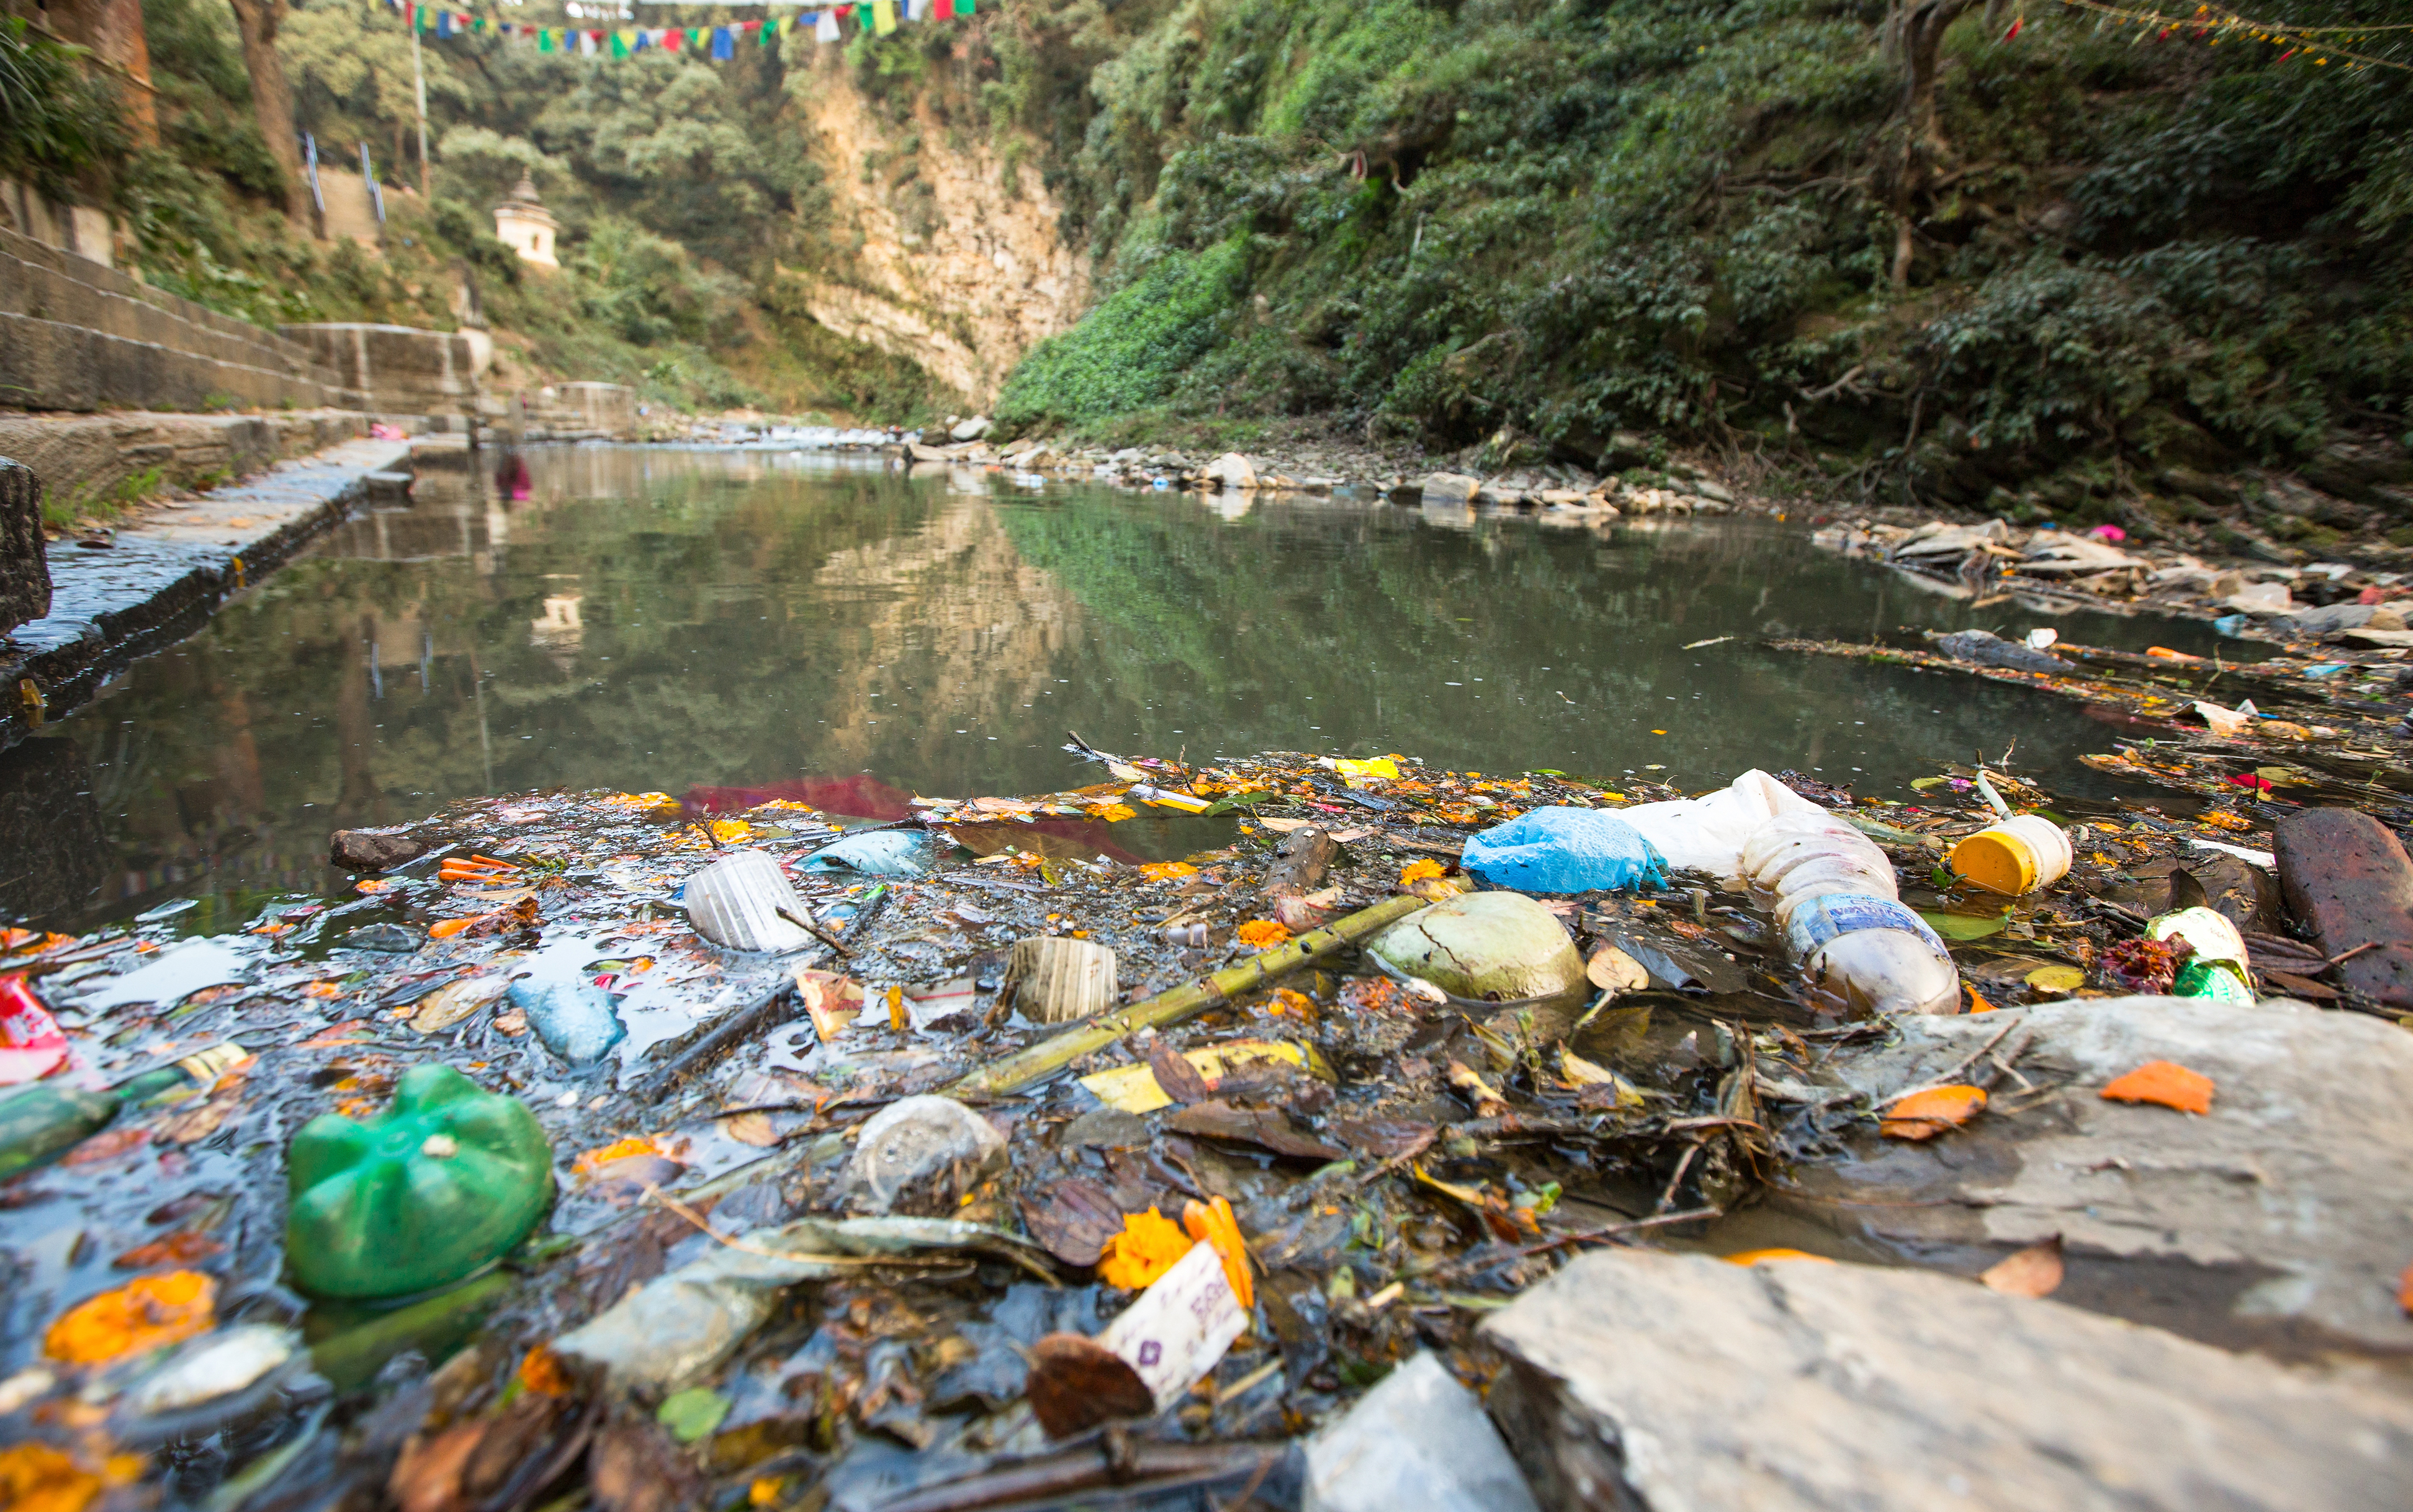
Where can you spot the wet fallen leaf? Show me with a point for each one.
(1582, 1073)
(1762, 1256)
(107, 1145)
(1072, 1219)
(1924, 1115)
(2056, 978)
(1291, 1002)
(1077, 1383)
(635, 1467)
(200, 1121)
(591, 1161)
(36, 1478)
(1175, 1076)
(1166, 870)
(2034, 1272)
(1977, 1003)
(691, 1414)
(323, 990)
(2164, 1082)
(542, 1372)
(2404, 1289)
(1612, 970)
(335, 1036)
(751, 1128)
(144, 1314)
(182, 1248)
(1149, 1246)
(1262, 1127)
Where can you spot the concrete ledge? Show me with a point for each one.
(85, 459)
(162, 579)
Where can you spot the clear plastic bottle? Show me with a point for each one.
(1836, 899)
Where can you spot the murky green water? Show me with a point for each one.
(660, 620)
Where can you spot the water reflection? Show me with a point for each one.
(667, 619)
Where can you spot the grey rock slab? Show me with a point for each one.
(2293, 1186)
(1418, 1443)
(1643, 1379)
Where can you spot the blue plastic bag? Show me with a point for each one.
(876, 853)
(1564, 850)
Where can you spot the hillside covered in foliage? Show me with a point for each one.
(2042, 258)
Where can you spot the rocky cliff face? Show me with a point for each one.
(944, 257)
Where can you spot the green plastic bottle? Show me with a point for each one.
(41, 1121)
(448, 1179)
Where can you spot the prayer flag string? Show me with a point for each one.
(719, 42)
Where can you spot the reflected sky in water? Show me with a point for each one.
(658, 619)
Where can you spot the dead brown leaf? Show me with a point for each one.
(2034, 1272)
(1077, 1383)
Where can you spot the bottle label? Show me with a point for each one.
(1838, 914)
(206, 1066)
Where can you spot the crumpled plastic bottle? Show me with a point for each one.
(449, 1178)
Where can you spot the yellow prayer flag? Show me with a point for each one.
(883, 15)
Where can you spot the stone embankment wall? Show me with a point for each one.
(76, 334)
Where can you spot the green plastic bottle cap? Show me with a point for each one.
(448, 1179)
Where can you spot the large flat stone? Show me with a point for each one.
(2279, 1219)
(1642, 1380)
(2347, 878)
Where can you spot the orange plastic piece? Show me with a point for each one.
(2164, 1082)
(1217, 1225)
(141, 1315)
(542, 1373)
(1761, 1257)
(1924, 1115)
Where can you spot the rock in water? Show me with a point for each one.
(24, 566)
(2275, 1191)
(2346, 876)
(1487, 944)
(368, 850)
(917, 1139)
(1418, 1443)
(395, 939)
(1646, 1379)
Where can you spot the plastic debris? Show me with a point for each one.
(448, 1179)
(31, 1043)
(1564, 850)
(1501, 945)
(1053, 979)
(745, 903)
(576, 1020)
(875, 853)
(913, 1142)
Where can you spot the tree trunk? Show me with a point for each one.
(1916, 28)
(272, 98)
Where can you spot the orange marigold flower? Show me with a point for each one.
(1147, 1248)
(1261, 933)
(1419, 870)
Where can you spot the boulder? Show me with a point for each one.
(2346, 877)
(2273, 1219)
(1451, 488)
(372, 850)
(1485, 944)
(1232, 471)
(971, 429)
(2055, 554)
(24, 566)
(1642, 1379)
(1418, 1443)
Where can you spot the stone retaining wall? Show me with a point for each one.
(90, 460)
(399, 370)
(76, 335)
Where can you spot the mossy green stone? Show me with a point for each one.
(449, 1178)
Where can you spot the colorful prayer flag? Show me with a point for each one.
(883, 15)
(723, 45)
(826, 29)
(624, 41)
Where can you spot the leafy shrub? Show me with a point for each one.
(1134, 347)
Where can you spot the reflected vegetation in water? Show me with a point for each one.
(665, 619)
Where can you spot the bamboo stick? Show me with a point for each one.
(1192, 998)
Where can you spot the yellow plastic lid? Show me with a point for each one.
(1996, 861)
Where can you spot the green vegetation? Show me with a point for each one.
(1529, 225)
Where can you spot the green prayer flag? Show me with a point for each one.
(620, 43)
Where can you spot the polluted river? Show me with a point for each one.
(675, 976)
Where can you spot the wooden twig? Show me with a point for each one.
(1184, 1002)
